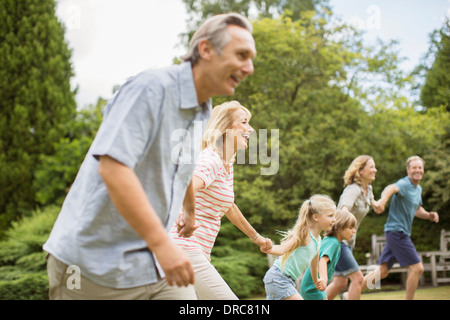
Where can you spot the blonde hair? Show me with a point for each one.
(352, 174)
(317, 204)
(221, 119)
(344, 219)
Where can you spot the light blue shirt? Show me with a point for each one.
(154, 126)
(299, 259)
(403, 207)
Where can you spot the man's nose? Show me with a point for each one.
(248, 67)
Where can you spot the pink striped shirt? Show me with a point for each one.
(211, 203)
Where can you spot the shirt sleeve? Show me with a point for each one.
(330, 249)
(130, 122)
(348, 197)
(400, 184)
(208, 167)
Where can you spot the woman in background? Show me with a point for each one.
(356, 198)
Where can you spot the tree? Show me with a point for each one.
(56, 172)
(200, 10)
(23, 273)
(436, 90)
(435, 97)
(331, 99)
(36, 99)
(264, 8)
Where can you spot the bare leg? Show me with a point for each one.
(337, 285)
(416, 271)
(296, 296)
(354, 290)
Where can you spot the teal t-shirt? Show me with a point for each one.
(299, 259)
(330, 247)
(403, 207)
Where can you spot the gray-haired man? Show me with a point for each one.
(113, 223)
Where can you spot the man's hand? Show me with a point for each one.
(175, 264)
(434, 216)
(378, 207)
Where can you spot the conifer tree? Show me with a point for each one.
(36, 99)
(436, 92)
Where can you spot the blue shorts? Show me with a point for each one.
(399, 247)
(279, 286)
(347, 263)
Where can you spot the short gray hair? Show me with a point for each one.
(214, 30)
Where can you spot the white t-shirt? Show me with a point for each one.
(211, 203)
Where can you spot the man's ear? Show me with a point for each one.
(205, 49)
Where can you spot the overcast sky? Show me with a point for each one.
(112, 40)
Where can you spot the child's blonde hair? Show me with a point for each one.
(344, 219)
(317, 204)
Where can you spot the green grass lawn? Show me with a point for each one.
(437, 293)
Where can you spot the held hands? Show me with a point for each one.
(378, 206)
(321, 284)
(265, 244)
(186, 225)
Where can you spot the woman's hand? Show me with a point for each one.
(265, 244)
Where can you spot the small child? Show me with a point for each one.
(330, 251)
(299, 248)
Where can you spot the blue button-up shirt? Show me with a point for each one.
(154, 126)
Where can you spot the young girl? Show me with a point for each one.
(299, 248)
(330, 251)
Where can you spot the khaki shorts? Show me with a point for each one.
(61, 287)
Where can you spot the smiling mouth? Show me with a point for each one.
(245, 137)
(236, 79)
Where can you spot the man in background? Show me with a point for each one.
(406, 204)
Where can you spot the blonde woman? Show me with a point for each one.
(299, 249)
(356, 198)
(227, 131)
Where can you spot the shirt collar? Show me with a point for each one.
(186, 85)
(188, 93)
